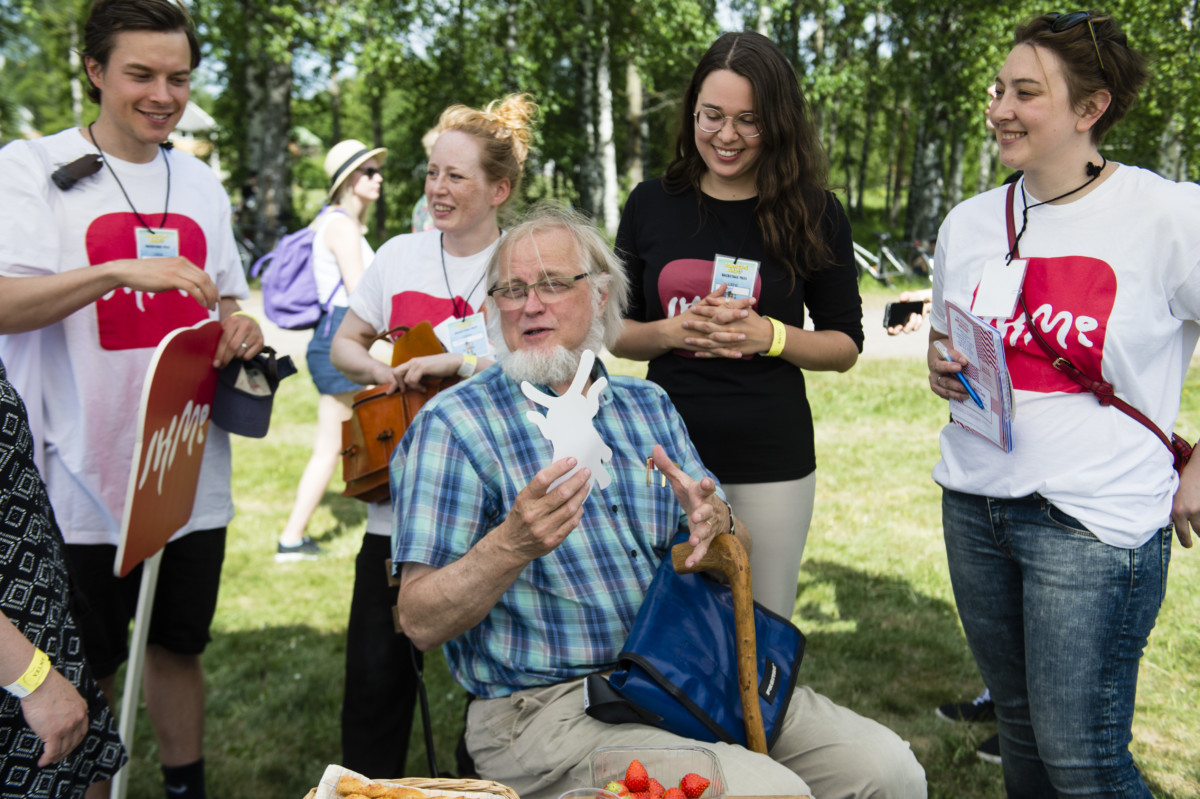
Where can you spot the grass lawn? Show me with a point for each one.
(874, 599)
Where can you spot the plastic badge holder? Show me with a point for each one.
(666, 764)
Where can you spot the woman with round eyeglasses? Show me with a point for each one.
(340, 255)
(1059, 549)
(474, 169)
(727, 254)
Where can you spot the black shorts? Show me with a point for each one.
(184, 601)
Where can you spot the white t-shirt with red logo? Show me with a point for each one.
(82, 377)
(406, 285)
(1113, 283)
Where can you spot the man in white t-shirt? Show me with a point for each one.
(141, 235)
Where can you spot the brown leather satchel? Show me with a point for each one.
(378, 420)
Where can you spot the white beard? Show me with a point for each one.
(553, 367)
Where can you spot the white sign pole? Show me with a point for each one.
(134, 667)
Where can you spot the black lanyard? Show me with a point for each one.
(121, 186)
(1092, 171)
(458, 314)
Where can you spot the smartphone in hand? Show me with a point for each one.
(897, 313)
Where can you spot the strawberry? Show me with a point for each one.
(693, 785)
(641, 795)
(656, 788)
(674, 793)
(636, 778)
(617, 787)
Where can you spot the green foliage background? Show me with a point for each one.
(885, 78)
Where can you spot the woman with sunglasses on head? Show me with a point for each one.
(340, 255)
(1058, 550)
(725, 254)
(437, 276)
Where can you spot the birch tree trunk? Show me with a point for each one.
(269, 112)
(635, 124)
(903, 113)
(987, 164)
(954, 172)
(608, 148)
(512, 82)
(590, 178)
(927, 188)
(76, 81)
(869, 113)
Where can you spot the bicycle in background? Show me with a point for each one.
(920, 258)
(909, 260)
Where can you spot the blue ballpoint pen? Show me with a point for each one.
(941, 348)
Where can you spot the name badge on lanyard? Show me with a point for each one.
(160, 243)
(469, 335)
(737, 274)
(999, 288)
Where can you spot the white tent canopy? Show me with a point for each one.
(195, 120)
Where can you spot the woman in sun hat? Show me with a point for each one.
(340, 256)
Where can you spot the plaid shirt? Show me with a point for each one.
(458, 471)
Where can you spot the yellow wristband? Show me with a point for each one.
(778, 337)
(467, 367)
(34, 676)
(248, 315)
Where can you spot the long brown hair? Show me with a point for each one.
(791, 177)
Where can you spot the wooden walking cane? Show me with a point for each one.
(727, 555)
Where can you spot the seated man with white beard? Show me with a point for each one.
(531, 588)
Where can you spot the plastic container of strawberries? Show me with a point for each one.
(666, 764)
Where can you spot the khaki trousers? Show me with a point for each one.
(537, 742)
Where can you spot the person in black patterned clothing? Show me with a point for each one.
(56, 732)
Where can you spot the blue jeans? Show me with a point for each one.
(1057, 621)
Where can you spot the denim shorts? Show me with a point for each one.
(324, 374)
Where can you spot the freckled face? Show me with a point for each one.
(460, 196)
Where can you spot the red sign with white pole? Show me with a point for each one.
(173, 420)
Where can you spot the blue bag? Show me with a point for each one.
(289, 285)
(678, 668)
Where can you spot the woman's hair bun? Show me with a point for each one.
(510, 118)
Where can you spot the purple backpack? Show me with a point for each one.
(289, 285)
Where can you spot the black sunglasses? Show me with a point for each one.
(1064, 22)
(371, 172)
